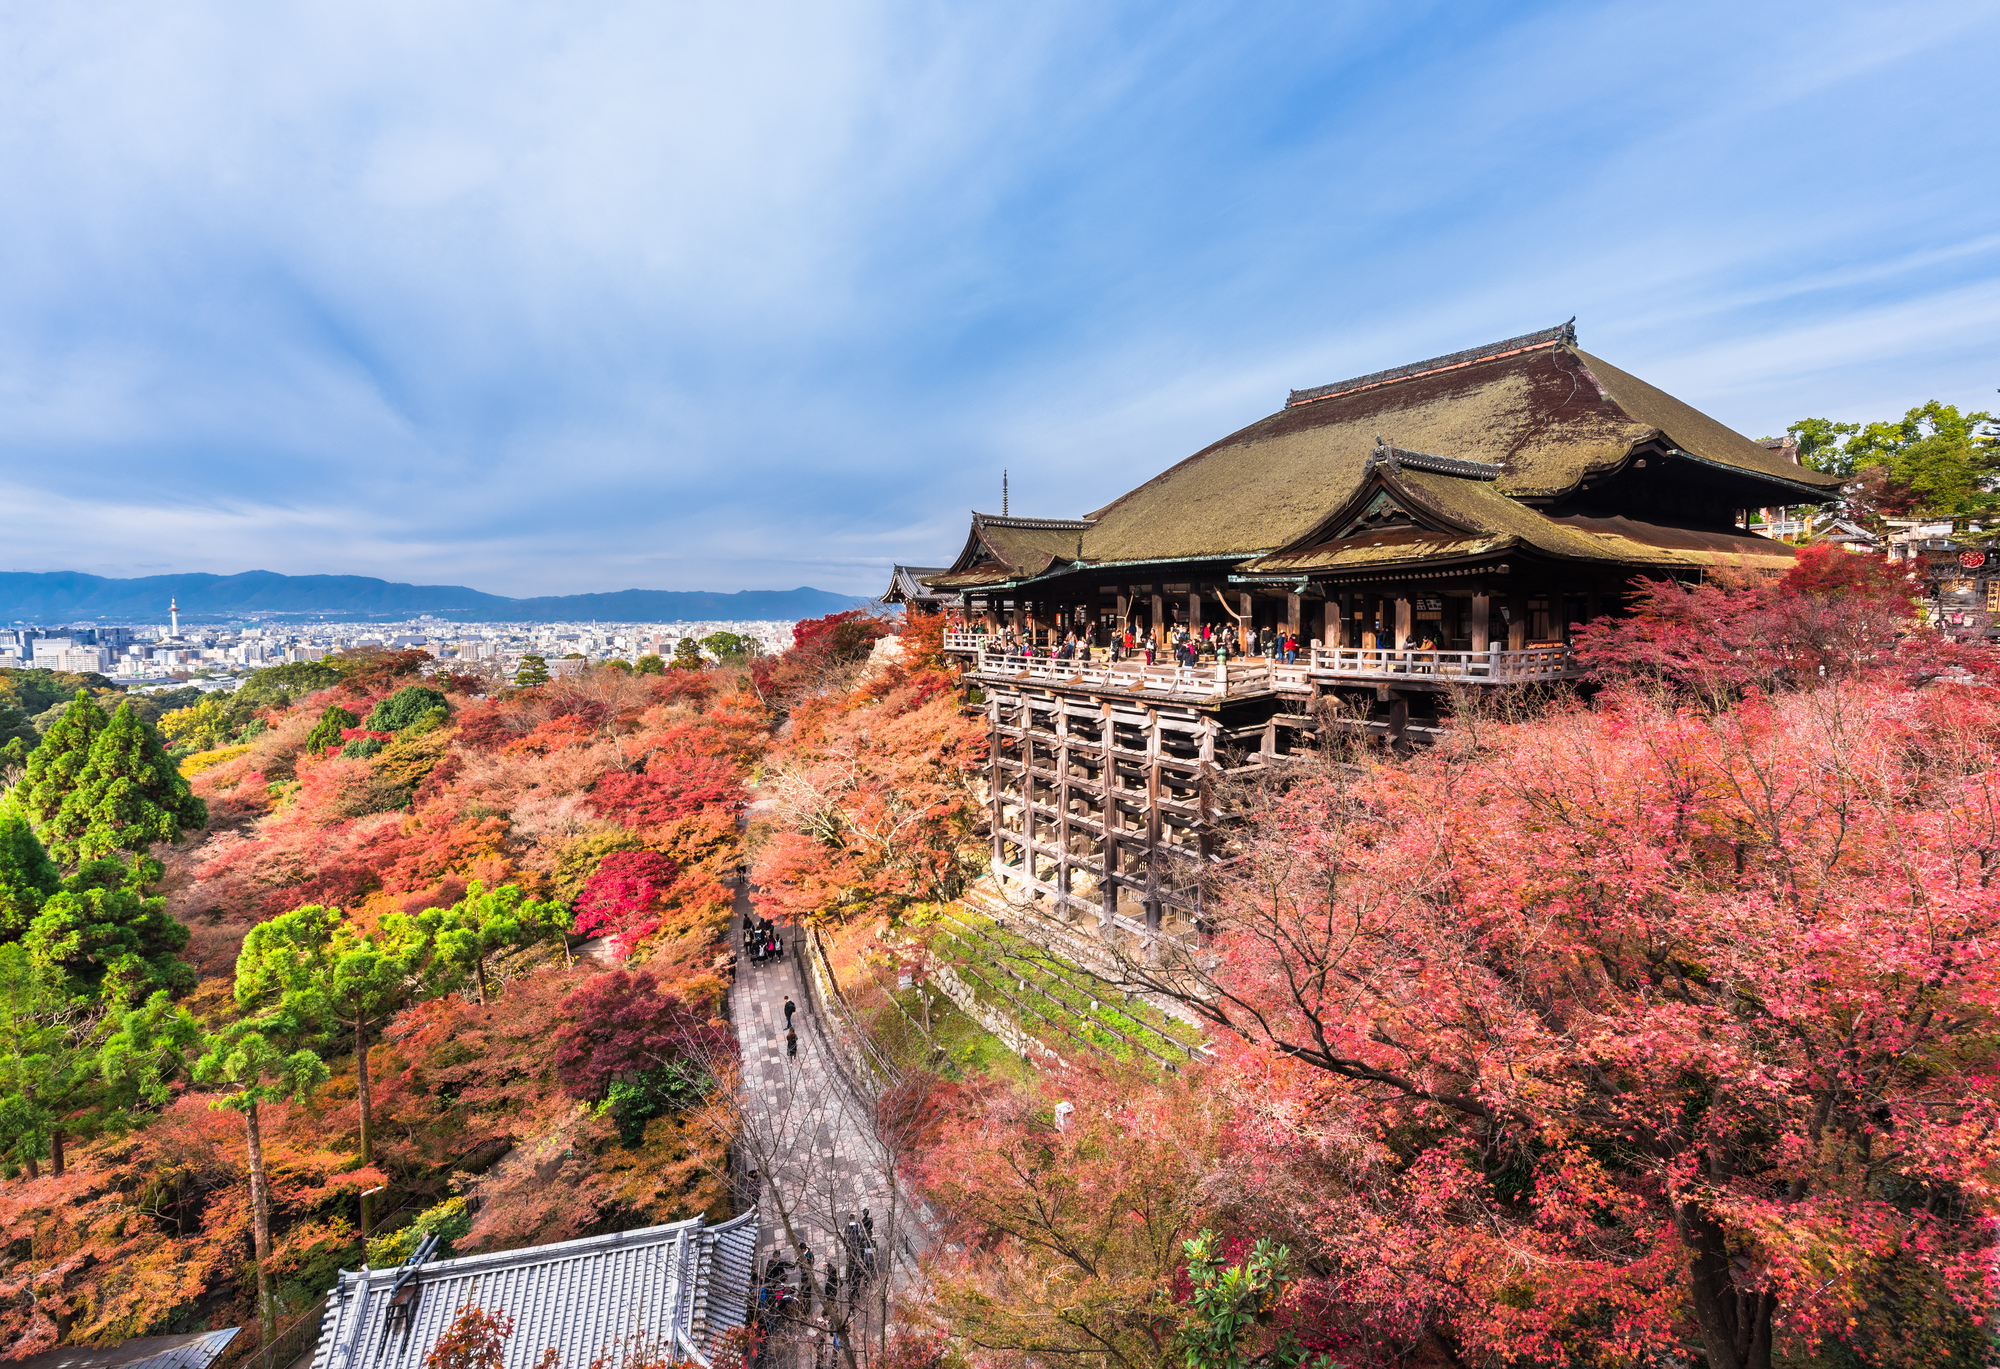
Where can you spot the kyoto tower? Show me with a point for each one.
(174, 615)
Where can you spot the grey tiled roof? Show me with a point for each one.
(683, 1285)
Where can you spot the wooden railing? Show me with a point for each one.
(1256, 675)
(1252, 676)
(961, 640)
(1541, 661)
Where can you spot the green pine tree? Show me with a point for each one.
(484, 923)
(326, 732)
(407, 706)
(250, 1067)
(27, 876)
(318, 968)
(128, 795)
(533, 671)
(107, 939)
(55, 765)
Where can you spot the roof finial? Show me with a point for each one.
(1003, 491)
(1569, 331)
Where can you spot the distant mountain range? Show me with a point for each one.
(68, 596)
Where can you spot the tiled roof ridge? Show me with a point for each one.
(1398, 458)
(1001, 520)
(1548, 337)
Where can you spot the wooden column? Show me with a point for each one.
(1292, 614)
(1108, 784)
(1517, 627)
(1159, 624)
(1482, 618)
(1194, 612)
(1402, 622)
(993, 758)
(1062, 806)
(1399, 716)
(1016, 620)
(1331, 631)
(1152, 814)
(1124, 612)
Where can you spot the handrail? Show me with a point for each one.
(1541, 661)
(1203, 681)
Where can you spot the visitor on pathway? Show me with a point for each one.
(867, 1221)
(790, 1008)
(791, 1042)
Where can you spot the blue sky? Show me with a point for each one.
(588, 296)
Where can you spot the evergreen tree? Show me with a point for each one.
(55, 766)
(128, 795)
(246, 1060)
(472, 930)
(107, 939)
(326, 732)
(409, 705)
(50, 1085)
(533, 671)
(319, 968)
(27, 875)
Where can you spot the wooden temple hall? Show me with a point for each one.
(1436, 525)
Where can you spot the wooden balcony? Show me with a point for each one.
(1432, 669)
(1409, 668)
(1180, 684)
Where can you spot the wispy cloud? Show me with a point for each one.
(707, 296)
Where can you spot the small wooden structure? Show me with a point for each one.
(906, 587)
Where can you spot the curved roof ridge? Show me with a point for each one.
(1398, 458)
(1005, 520)
(1450, 361)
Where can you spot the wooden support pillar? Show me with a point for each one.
(993, 776)
(1062, 807)
(1107, 874)
(1159, 625)
(1292, 614)
(1517, 625)
(1593, 603)
(1399, 716)
(1124, 613)
(1016, 619)
(1152, 814)
(1402, 622)
(1482, 618)
(1332, 632)
(1194, 611)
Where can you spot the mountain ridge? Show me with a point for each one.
(65, 596)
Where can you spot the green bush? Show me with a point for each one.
(407, 706)
(631, 1103)
(326, 732)
(448, 1221)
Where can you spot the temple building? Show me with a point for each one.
(906, 587)
(660, 1295)
(1434, 526)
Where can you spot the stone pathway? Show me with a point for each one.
(815, 1137)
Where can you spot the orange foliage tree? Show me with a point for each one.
(876, 789)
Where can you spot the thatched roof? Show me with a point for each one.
(1543, 414)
